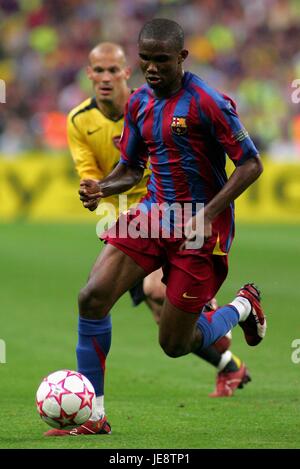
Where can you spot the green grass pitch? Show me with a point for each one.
(152, 401)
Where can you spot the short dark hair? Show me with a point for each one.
(163, 29)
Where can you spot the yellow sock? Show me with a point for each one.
(237, 360)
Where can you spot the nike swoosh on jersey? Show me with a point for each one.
(185, 295)
(91, 132)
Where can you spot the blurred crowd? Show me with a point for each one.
(247, 49)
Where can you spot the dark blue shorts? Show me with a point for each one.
(137, 293)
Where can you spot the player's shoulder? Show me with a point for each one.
(85, 106)
(205, 93)
(138, 95)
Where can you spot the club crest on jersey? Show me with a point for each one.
(116, 141)
(178, 125)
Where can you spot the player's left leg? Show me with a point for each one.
(154, 294)
(182, 332)
(231, 371)
(192, 279)
(178, 332)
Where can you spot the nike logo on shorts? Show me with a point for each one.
(185, 295)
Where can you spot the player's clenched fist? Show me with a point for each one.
(90, 193)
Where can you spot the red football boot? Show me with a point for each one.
(255, 325)
(227, 383)
(98, 427)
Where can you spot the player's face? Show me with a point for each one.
(109, 74)
(161, 65)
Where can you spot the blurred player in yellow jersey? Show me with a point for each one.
(94, 130)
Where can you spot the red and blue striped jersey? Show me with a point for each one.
(186, 137)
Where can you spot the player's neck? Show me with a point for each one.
(114, 110)
(171, 89)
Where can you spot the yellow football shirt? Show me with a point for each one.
(94, 144)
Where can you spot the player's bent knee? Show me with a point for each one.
(173, 350)
(93, 303)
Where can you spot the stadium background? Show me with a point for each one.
(249, 50)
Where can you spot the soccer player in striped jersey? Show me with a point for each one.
(94, 130)
(179, 122)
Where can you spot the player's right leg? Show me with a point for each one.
(112, 275)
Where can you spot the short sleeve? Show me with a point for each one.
(219, 113)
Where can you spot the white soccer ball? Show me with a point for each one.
(65, 399)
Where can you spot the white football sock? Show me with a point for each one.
(98, 410)
(243, 306)
(225, 359)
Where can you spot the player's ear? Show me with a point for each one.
(183, 55)
(127, 72)
(89, 72)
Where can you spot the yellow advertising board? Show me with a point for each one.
(45, 188)
(40, 188)
(274, 197)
